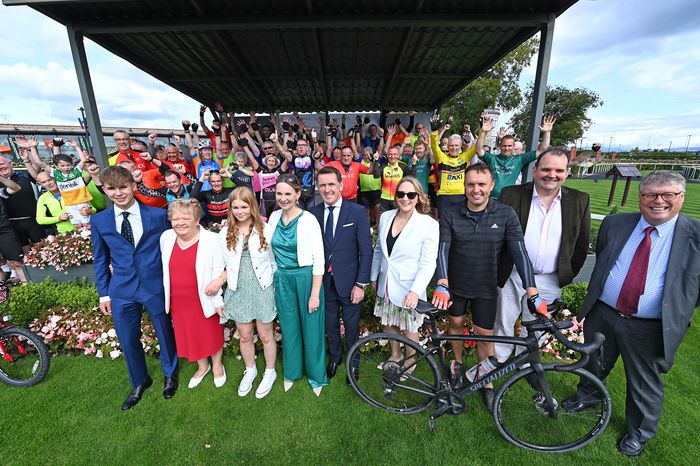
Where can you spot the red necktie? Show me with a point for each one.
(633, 287)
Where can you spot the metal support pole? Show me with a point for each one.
(540, 88)
(82, 70)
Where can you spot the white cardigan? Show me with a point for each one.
(263, 261)
(209, 265)
(413, 259)
(309, 240)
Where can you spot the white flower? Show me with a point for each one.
(566, 313)
(85, 233)
(99, 354)
(236, 335)
(111, 333)
(114, 354)
(383, 342)
(278, 336)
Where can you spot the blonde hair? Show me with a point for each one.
(244, 194)
(191, 206)
(423, 206)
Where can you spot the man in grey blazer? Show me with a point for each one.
(556, 224)
(642, 294)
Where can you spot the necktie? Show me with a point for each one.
(127, 232)
(329, 224)
(633, 287)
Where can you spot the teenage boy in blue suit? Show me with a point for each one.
(126, 236)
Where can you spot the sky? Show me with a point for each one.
(641, 56)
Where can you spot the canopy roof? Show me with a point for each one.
(309, 55)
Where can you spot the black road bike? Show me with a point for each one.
(528, 406)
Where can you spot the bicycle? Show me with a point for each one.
(24, 358)
(528, 407)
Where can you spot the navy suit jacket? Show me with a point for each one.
(131, 266)
(682, 281)
(350, 253)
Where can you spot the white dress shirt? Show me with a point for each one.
(336, 214)
(134, 220)
(543, 234)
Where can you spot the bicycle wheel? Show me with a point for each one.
(25, 358)
(406, 386)
(523, 416)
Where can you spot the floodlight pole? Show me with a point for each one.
(540, 88)
(82, 70)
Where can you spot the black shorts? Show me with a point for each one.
(28, 231)
(483, 310)
(10, 246)
(446, 201)
(387, 205)
(369, 199)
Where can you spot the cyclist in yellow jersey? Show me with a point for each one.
(391, 172)
(451, 166)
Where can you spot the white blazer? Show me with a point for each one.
(263, 261)
(309, 240)
(209, 265)
(413, 258)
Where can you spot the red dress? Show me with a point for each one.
(196, 337)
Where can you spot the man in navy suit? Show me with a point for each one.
(348, 249)
(126, 236)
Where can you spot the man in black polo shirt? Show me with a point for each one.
(473, 236)
(21, 207)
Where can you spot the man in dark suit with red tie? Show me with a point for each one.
(348, 250)
(642, 294)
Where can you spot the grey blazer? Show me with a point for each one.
(682, 282)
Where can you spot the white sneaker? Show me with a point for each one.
(265, 386)
(247, 382)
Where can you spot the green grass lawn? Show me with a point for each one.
(73, 417)
(600, 191)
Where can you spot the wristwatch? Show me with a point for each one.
(361, 286)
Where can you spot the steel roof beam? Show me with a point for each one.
(365, 21)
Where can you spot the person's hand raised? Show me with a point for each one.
(547, 124)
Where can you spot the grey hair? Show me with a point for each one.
(120, 131)
(662, 177)
(455, 137)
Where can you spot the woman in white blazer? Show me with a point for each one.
(250, 298)
(297, 242)
(191, 259)
(404, 261)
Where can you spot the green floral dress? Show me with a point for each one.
(249, 301)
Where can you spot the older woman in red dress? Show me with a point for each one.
(191, 259)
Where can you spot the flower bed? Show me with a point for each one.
(61, 251)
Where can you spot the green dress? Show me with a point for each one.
(249, 302)
(303, 332)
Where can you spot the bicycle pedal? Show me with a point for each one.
(431, 424)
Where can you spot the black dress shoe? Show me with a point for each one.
(488, 394)
(170, 387)
(331, 369)
(630, 446)
(136, 394)
(354, 373)
(575, 405)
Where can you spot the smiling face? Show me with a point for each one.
(184, 223)
(660, 211)
(347, 156)
(240, 210)
(286, 196)
(5, 167)
(173, 183)
(172, 154)
(122, 195)
(330, 188)
(454, 147)
(405, 203)
(506, 146)
(477, 187)
(393, 155)
(550, 173)
(216, 181)
(47, 182)
(122, 141)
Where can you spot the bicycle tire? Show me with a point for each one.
(407, 386)
(30, 358)
(527, 424)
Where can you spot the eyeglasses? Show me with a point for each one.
(411, 195)
(665, 196)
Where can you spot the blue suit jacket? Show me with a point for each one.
(131, 266)
(350, 253)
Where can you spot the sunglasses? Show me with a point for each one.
(411, 195)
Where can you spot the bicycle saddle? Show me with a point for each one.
(424, 307)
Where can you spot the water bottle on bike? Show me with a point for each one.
(482, 368)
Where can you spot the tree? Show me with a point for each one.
(497, 87)
(569, 106)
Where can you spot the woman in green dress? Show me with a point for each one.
(297, 243)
